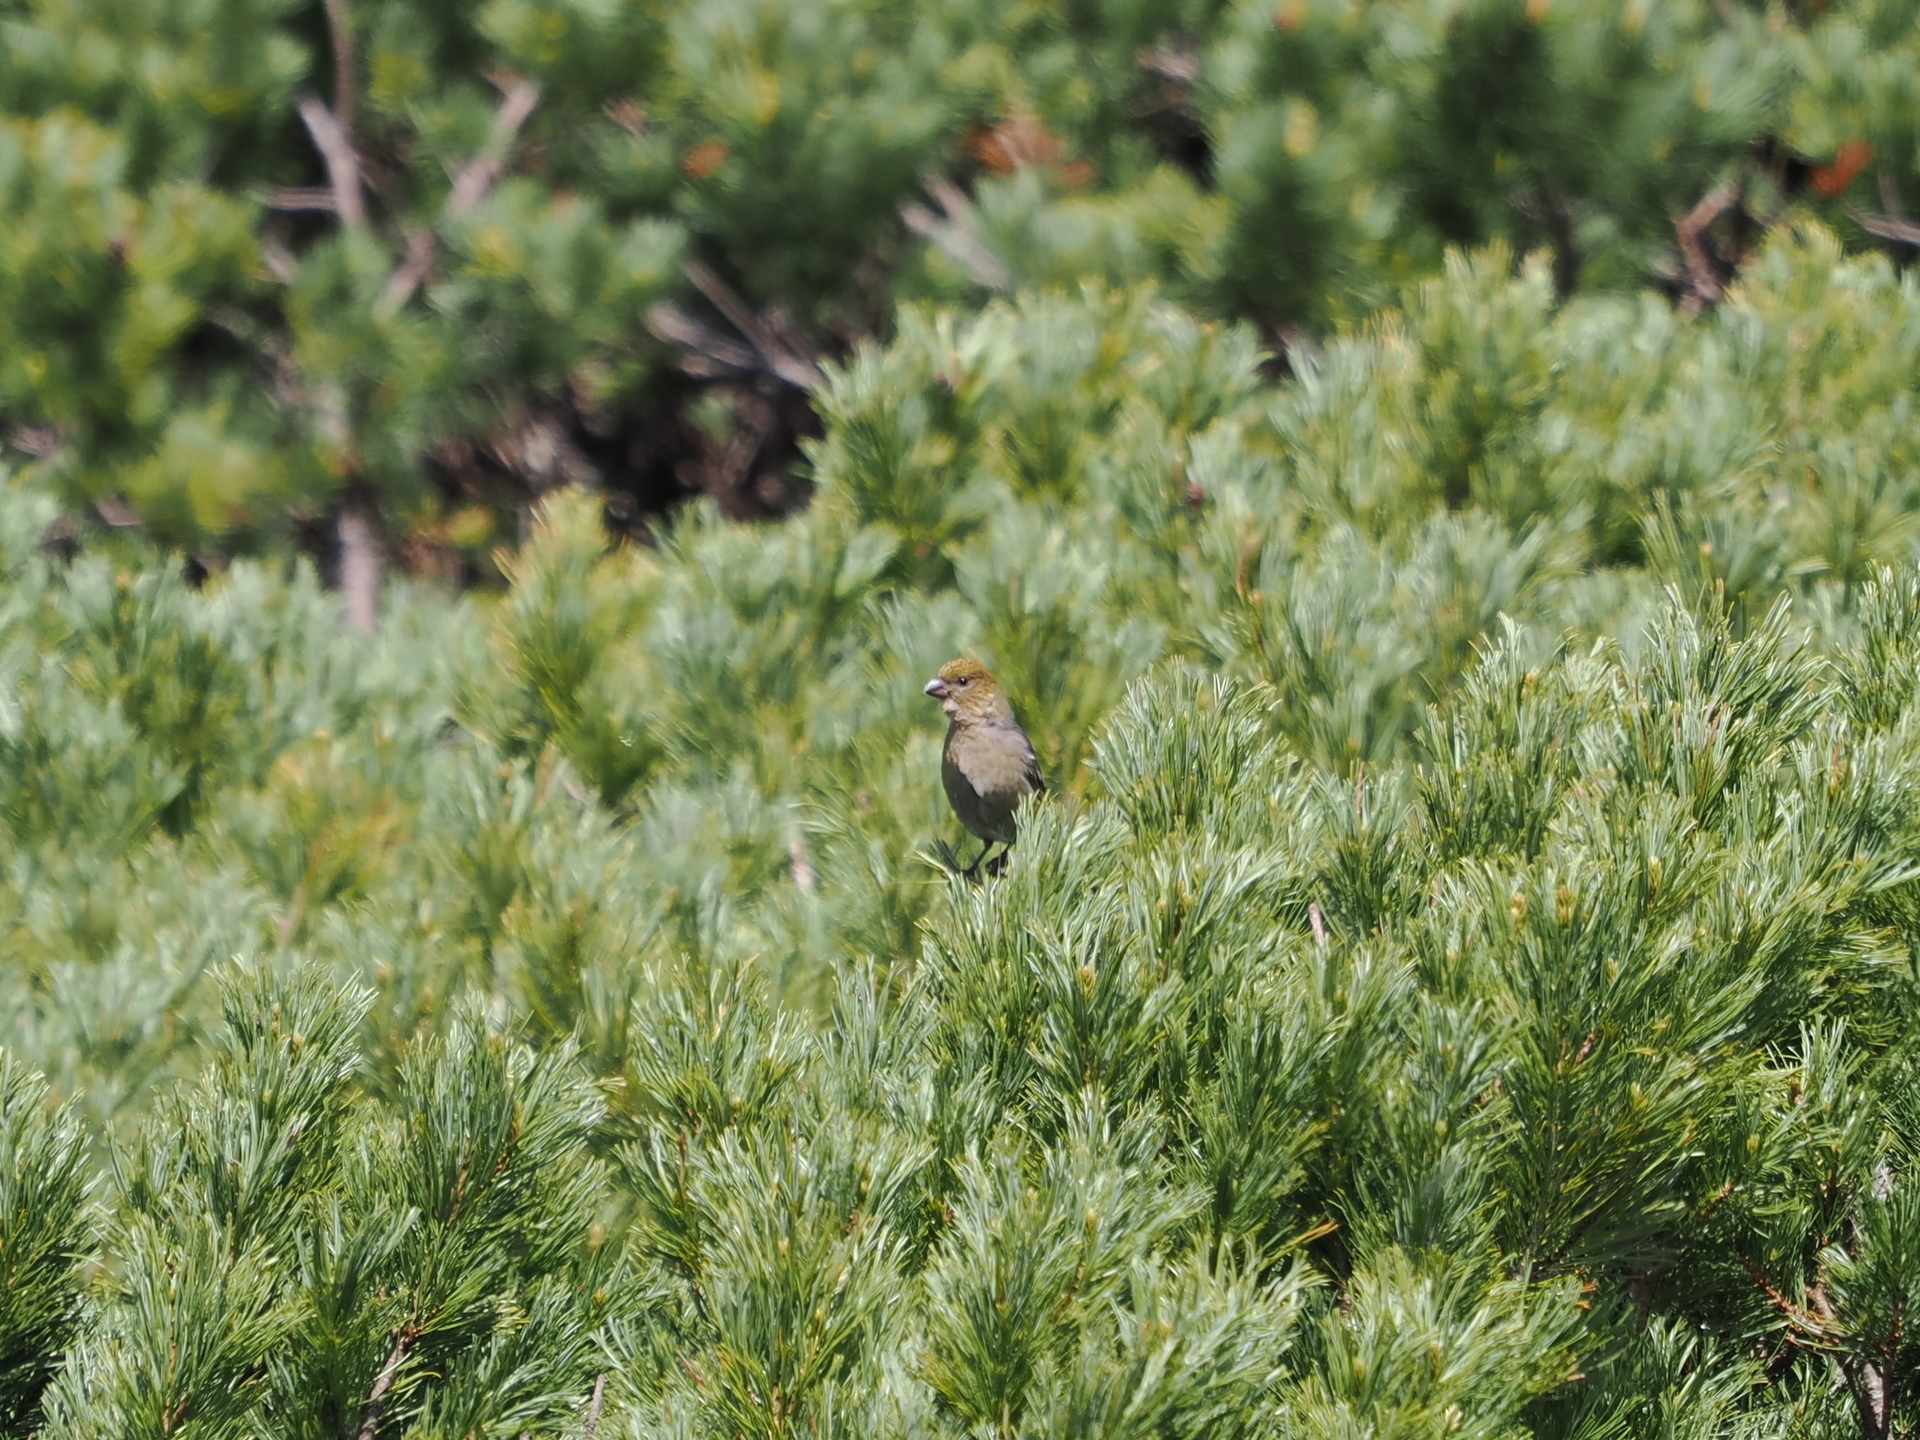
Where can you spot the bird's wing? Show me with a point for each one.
(1034, 777)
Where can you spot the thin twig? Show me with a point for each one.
(359, 570)
(957, 233)
(470, 187)
(672, 324)
(382, 1383)
(1889, 227)
(407, 275)
(277, 260)
(516, 106)
(796, 370)
(343, 166)
(1318, 922)
(1890, 193)
(340, 35)
(302, 197)
(593, 1410)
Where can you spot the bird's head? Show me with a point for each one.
(967, 690)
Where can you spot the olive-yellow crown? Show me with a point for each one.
(967, 690)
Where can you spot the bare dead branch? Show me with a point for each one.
(38, 441)
(382, 1383)
(593, 1410)
(470, 187)
(673, 325)
(1177, 63)
(340, 36)
(360, 581)
(277, 260)
(779, 359)
(803, 875)
(343, 166)
(957, 233)
(1703, 285)
(516, 105)
(1889, 227)
(409, 273)
(1889, 193)
(302, 197)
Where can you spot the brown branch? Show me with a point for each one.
(1799, 1314)
(343, 166)
(470, 187)
(957, 234)
(359, 570)
(302, 197)
(593, 1410)
(407, 275)
(1703, 285)
(1889, 193)
(382, 1383)
(1889, 227)
(516, 106)
(340, 36)
(778, 358)
(672, 324)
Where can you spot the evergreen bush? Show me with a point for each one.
(267, 261)
(1438, 484)
(1460, 981)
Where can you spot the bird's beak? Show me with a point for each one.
(937, 688)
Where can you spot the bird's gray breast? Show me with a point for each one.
(986, 769)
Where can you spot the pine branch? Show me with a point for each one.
(670, 323)
(343, 165)
(776, 356)
(958, 233)
(593, 1410)
(1889, 227)
(470, 187)
(340, 33)
(360, 570)
(383, 1382)
(1704, 287)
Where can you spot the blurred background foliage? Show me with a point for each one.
(265, 261)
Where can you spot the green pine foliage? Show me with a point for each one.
(265, 258)
(1460, 981)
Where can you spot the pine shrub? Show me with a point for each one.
(1459, 982)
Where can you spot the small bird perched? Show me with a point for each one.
(988, 765)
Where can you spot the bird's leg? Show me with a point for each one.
(999, 865)
(974, 869)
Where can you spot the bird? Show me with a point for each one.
(988, 765)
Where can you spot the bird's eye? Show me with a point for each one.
(964, 679)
